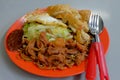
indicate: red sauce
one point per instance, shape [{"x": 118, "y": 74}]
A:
[{"x": 14, "y": 40}]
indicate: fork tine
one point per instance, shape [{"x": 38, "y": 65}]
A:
[
  {"x": 98, "y": 19},
  {"x": 91, "y": 21},
  {"x": 96, "y": 23}
]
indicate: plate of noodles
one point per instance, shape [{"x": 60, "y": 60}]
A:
[{"x": 52, "y": 42}]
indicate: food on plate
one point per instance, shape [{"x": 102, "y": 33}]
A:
[{"x": 55, "y": 38}]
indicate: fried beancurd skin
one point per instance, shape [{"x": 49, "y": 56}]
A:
[
  {"x": 62, "y": 8},
  {"x": 66, "y": 13},
  {"x": 85, "y": 14},
  {"x": 74, "y": 18}
]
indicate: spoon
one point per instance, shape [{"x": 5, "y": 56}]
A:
[{"x": 96, "y": 26}]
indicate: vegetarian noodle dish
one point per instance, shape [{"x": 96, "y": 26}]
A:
[{"x": 57, "y": 37}]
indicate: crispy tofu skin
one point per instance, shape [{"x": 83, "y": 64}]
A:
[{"x": 85, "y": 14}]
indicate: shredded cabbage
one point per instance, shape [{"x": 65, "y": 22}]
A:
[{"x": 32, "y": 30}]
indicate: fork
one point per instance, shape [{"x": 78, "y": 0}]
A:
[{"x": 96, "y": 51}]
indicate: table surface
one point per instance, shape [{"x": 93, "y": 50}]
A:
[{"x": 10, "y": 10}]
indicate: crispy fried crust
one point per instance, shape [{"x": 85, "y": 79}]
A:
[
  {"x": 62, "y": 8},
  {"x": 67, "y": 14},
  {"x": 85, "y": 14},
  {"x": 76, "y": 19}
]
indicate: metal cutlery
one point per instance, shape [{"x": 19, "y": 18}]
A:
[{"x": 96, "y": 26}]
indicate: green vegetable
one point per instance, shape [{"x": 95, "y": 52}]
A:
[
  {"x": 32, "y": 30},
  {"x": 61, "y": 32}
]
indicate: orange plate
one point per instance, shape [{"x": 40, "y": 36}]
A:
[{"x": 32, "y": 68}]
